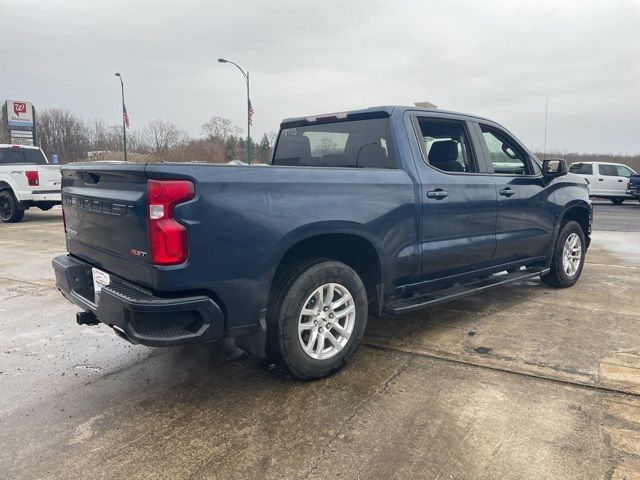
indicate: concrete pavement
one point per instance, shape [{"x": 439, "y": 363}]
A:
[{"x": 521, "y": 382}]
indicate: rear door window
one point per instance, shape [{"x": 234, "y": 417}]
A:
[
  {"x": 581, "y": 168},
  {"x": 351, "y": 143},
  {"x": 446, "y": 146}
]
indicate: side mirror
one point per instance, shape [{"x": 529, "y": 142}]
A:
[{"x": 554, "y": 167}]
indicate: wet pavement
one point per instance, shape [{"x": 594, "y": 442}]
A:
[{"x": 524, "y": 381}]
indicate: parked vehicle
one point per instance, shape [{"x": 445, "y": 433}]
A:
[
  {"x": 633, "y": 186},
  {"x": 606, "y": 180},
  {"x": 387, "y": 209},
  {"x": 26, "y": 180}
]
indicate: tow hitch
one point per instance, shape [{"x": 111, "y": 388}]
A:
[{"x": 86, "y": 318}]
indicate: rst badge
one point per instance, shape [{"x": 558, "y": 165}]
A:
[{"x": 138, "y": 253}]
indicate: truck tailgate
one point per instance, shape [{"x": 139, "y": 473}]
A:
[
  {"x": 104, "y": 208},
  {"x": 49, "y": 178}
]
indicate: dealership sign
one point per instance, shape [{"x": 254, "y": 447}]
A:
[{"x": 20, "y": 121}]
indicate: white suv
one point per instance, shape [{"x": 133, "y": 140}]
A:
[
  {"x": 26, "y": 180},
  {"x": 606, "y": 180}
]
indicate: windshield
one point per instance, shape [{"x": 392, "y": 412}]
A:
[
  {"x": 30, "y": 156},
  {"x": 353, "y": 143}
]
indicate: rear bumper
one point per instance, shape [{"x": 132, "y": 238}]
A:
[
  {"x": 39, "y": 196},
  {"x": 137, "y": 314},
  {"x": 635, "y": 192},
  {"x": 46, "y": 196}
]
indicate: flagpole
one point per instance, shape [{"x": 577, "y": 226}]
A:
[
  {"x": 124, "y": 123},
  {"x": 249, "y": 143}
]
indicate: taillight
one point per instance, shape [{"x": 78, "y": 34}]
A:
[
  {"x": 169, "y": 243},
  {"x": 33, "y": 178}
]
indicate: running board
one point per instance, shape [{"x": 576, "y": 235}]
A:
[{"x": 406, "y": 305}]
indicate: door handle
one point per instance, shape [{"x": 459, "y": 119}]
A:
[
  {"x": 620, "y": 180},
  {"x": 438, "y": 194},
  {"x": 506, "y": 192},
  {"x": 601, "y": 179}
]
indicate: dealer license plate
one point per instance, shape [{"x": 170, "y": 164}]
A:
[{"x": 100, "y": 279}]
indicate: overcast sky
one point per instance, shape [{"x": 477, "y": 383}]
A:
[{"x": 499, "y": 59}]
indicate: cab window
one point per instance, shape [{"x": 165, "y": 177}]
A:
[
  {"x": 581, "y": 168},
  {"x": 507, "y": 158},
  {"x": 608, "y": 170},
  {"x": 624, "y": 171},
  {"x": 446, "y": 146},
  {"x": 362, "y": 143}
]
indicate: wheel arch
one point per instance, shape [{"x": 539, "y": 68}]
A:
[
  {"x": 346, "y": 245},
  {"x": 4, "y": 185},
  {"x": 581, "y": 213}
]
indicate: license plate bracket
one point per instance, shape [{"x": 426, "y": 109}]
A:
[{"x": 100, "y": 279}]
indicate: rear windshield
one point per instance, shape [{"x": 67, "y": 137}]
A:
[
  {"x": 29, "y": 156},
  {"x": 353, "y": 143}
]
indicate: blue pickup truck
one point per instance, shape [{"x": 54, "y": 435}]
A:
[
  {"x": 633, "y": 186},
  {"x": 382, "y": 210}
]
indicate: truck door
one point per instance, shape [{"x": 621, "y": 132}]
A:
[
  {"x": 613, "y": 179},
  {"x": 585, "y": 170},
  {"x": 524, "y": 228},
  {"x": 458, "y": 200},
  {"x": 608, "y": 180}
]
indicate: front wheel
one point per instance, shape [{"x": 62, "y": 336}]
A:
[
  {"x": 317, "y": 319},
  {"x": 617, "y": 201},
  {"x": 10, "y": 211},
  {"x": 568, "y": 256}
]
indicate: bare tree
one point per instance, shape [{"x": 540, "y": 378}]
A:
[
  {"x": 105, "y": 137},
  {"x": 63, "y": 133},
  {"x": 160, "y": 136},
  {"x": 219, "y": 129},
  {"x": 271, "y": 135}
]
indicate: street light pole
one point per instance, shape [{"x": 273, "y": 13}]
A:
[
  {"x": 246, "y": 79},
  {"x": 124, "y": 117}
]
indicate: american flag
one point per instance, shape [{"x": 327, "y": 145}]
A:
[
  {"x": 250, "y": 113},
  {"x": 125, "y": 117}
]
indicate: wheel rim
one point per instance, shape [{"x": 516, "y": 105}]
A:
[
  {"x": 572, "y": 255},
  {"x": 5, "y": 207},
  {"x": 326, "y": 321}
]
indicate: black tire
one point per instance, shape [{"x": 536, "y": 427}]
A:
[
  {"x": 45, "y": 206},
  {"x": 283, "y": 343},
  {"x": 558, "y": 277},
  {"x": 10, "y": 211},
  {"x": 617, "y": 201}
]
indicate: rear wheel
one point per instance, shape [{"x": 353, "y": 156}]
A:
[
  {"x": 617, "y": 201},
  {"x": 317, "y": 319},
  {"x": 568, "y": 257},
  {"x": 10, "y": 211}
]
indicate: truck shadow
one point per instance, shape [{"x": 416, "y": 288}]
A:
[{"x": 34, "y": 215}]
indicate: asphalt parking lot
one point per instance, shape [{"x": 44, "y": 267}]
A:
[{"x": 521, "y": 382}]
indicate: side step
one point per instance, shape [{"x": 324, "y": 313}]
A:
[{"x": 406, "y": 305}]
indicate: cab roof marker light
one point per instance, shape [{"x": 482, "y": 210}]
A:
[{"x": 329, "y": 116}]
